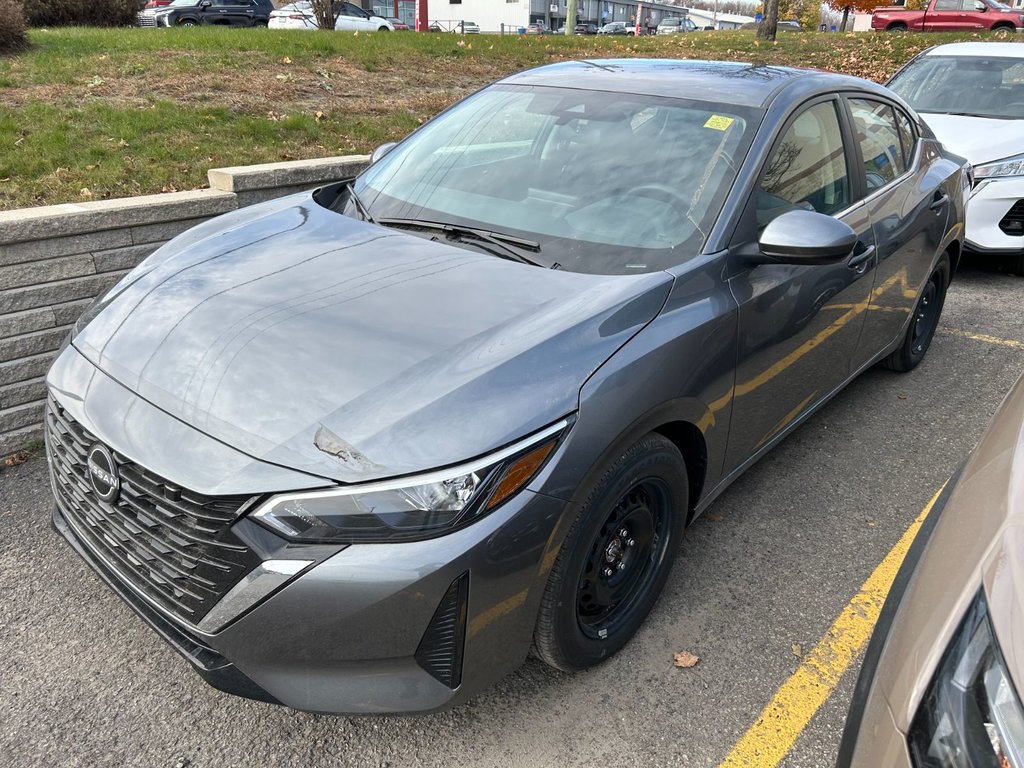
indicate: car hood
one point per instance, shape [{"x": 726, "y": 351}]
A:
[
  {"x": 328, "y": 345},
  {"x": 979, "y": 139}
]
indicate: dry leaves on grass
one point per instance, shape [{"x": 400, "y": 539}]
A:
[
  {"x": 17, "y": 458},
  {"x": 685, "y": 660}
]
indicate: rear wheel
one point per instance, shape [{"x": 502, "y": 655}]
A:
[
  {"x": 897, "y": 27},
  {"x": 615, "y": 560},
  {"x": 924, "y": 321}
]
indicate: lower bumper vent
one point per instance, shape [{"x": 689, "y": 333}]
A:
[
  {"x": 1013, "y": 222},
  {"x": 440, "y": 651}
]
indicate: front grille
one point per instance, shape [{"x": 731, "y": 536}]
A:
[
  {"x": 145, "y": 20},
  {"x": 1013, "y": 222},
  {"x": 173, "y": 545}
]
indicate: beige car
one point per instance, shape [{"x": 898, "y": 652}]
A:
[{"x": 940, "y": 678}]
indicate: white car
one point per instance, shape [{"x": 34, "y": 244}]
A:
[
  {"x": 351, "y": 18},
  {"x": 675, "y": 26},
  {"x": 972, "y": 97},
  {"x": 468, "y": 28}
]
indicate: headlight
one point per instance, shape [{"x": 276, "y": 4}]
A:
[
  {"x": 413, "y": 508},
  {"x": 970, "y": 715},
  {"x": 1011, "y": 166}
]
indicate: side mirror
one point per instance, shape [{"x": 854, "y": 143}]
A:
[
  {"x": 205, "y": 4},
  {"x": 382, "y": 150},
  {"x": 806, "y": 237},
  {"x": 980, "y": 6}
]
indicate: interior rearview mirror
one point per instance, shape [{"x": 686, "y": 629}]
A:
[
  {"x": 806, "y": 237},
  {"x": 382, "y": 150}
]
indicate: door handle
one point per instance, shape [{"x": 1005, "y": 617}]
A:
[
  {"x": 939, "y": 199},
  {"x": 860, "y": 260}
]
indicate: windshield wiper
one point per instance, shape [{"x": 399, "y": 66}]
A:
[
  {"x": 363, "y": 210},
  {"x": 505, "y": 246}
]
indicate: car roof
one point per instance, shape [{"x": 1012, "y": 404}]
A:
[
  {"x": 735, "y": 83},
  {"x": 1013, "y": 50}
]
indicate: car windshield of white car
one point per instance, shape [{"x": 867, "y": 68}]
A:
[
  {"x": 990, "y": 86},
  {"x": 609, "y": 183}
]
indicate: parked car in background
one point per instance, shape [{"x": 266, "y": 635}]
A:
[
  {"x": 156, "y": 3},
  {"x": 674, "y": 26},
  {"x": 972, "y": 97},
  {"x": 940, "y": 682},
  {"x": 586, "y": 28},
  {"x": 949, "y": 16},
  {"x": 537, "y": 28},
  {"x": 351, "y": 18},
  {"x": 192, "y": 13},
  {"x": 360, "y": 449},
  {"x": 468, "y": 28},
  {"x": 617, "y": 28},
  {"x": 397, "y": 24}
]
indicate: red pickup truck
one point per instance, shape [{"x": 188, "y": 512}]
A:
[{"x": 949, "y": 16}]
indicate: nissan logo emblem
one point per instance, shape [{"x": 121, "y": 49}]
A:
[{"x": 103, "y": 473}]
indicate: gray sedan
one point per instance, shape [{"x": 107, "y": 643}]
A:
[{"x": 362, "y": 449}]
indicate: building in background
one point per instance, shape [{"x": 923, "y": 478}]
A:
[
  {"x": 511, "y": 15},
  {"x": 714, "y": 20}
]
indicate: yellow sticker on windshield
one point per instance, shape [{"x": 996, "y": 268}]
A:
[{"x": 718, "y": 122}]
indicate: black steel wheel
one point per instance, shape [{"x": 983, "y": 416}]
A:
[
  {"x": 614, "y": 561},
  {"x": 923, "y": 322}
]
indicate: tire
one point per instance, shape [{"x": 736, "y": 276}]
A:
[
  {"x": 1004, "y": 28},
  {"x": 614, "y": 562},
  {"x": 924, "y": 321},
  {"x": 897, "y": 27},
  {"x": 1015, "y": 264},
  {"x": 187, "y": 23},
  {"x": 383, "y": 29}
]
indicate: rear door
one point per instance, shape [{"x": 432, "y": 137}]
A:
[
  {"x": 947, "y": 15},
  {"x": 799, "y": 326},
  {"x": 908, "y": 208}
]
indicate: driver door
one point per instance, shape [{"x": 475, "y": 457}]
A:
[{"x": 799, "y": 325}]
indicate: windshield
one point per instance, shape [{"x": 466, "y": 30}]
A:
[
  {"x": 670, "y": 22},
  {"x": 607, "y": 183},
  {"x": 964, "y": 85}
]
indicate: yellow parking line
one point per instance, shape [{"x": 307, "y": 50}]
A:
[
  {"x": 776, "y": 729},
  {"x": 982, "y": 337}
]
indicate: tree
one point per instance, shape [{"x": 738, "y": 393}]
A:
[
  {"x": 326, "y": 13},
  {"x": 769, "y": 20}
]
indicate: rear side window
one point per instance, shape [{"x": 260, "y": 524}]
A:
[
  {"x": 880, "y": 143},
  {"x": 807, "y": 168},
  {"x": 907, "y": 135}
]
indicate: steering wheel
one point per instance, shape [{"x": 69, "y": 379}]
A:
[{"x": 661, "y": 192}]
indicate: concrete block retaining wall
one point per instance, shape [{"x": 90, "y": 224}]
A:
[{"x": 54, "y": 260}]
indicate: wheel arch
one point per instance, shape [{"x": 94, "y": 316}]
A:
[{"x": 688, "y": 438}]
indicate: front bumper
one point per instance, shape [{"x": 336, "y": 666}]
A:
[
  {"x": 345, "y": 636},
  {"x": 990, "y": 201}
]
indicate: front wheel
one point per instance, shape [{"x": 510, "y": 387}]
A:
[
  {"x": 923, "y": 322},
  {"x": 187, "y": 23},
  {"x": 383, "y": 29},
  {"x": 614, "y": 562}
]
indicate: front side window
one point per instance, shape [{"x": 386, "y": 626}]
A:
[
  {"x": 610, "y": 183},
  {"x": 880, "y": 144},
  {"x": 807, "y": 168}
]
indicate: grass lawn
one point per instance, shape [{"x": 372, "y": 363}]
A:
[{"x": 93, "y": 113}]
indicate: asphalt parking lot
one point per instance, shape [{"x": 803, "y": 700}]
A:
[{"x": 761, "y": 578}]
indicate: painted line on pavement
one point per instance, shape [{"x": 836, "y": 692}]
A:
[
  {"x": 785, "y": 717},
  {"x": 982, "y": 337}
]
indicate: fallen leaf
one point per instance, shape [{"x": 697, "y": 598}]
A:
[
  {"x": 17, "y": 458},
  {"x": 85, "y": 192},
  {"x": 713, "y": 517},
  {"x": 902, "y": 397},
  {"x": 871, "y": 523},
  {"x": 797, "y": 650},
  {"x": 318, "y": 116},
  {"x": 286, "y": 60},
  {"x": 685, "y": 660}
]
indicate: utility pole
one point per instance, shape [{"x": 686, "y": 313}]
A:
[{"x": 570, "y": 17}]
